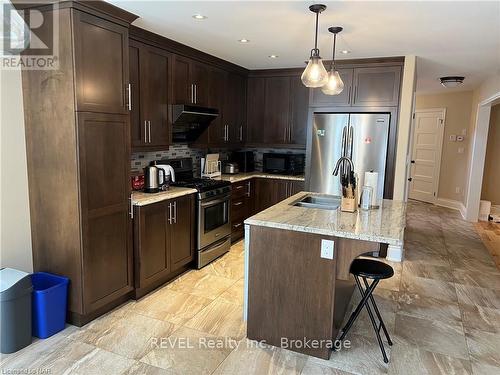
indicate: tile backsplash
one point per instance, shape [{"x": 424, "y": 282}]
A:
[{"x": 141, "y": 159}]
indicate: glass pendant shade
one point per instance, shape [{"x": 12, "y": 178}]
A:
[
  {"x": 335, "y": 85},
  {"x": 315, "y": 74}
]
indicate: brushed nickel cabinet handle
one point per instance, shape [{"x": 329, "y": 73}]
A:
[
  {"x": 237, "y": 225},
  {"x": 170, "y": 213},
  {"x": 238, "y": 203},
  {"x": 149, "y": 130},
  {"x": 241, "y": 133},
  {"x": 175, "y": 212},
  {"x": 131, "y": 207},
  {"x": 129, "y": 97},
  {"x": 145, "y": 131}
]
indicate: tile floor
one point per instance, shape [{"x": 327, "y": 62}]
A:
[{"x": 442, "y": 309}]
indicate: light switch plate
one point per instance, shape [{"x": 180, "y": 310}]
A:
[
  {"x": 327, "y": 249},
  {"x": 453, "y": 138}
]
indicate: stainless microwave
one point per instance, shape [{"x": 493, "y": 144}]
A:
[{"x": 291, "y": 164}]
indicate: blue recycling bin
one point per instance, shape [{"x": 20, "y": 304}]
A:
[{"x": 50, "y": 296}]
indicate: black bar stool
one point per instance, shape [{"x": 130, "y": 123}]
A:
[{"x": 369, "y": 269}]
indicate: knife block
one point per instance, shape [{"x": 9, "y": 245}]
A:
[{"x": 348, "y": 204}]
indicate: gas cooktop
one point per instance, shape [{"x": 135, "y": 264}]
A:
[{"x": 201, "y": 184}]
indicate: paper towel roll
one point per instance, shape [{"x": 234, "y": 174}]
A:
[{"x": 371, "y": 179}]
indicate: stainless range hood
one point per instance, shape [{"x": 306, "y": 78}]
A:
[{"x": 190, "y": 121}]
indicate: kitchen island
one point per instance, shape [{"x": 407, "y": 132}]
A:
[{"x": 297, "y": 281}]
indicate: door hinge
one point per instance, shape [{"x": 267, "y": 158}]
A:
[
  {"x": 441, "y": 121},
  {"x": 434, "y": 193}
]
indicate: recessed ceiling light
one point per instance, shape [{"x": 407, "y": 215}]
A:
[
  {"x": 345, "y": 51},
  {"x": 199, "y": 16},
  {"x": 244, "y": 40},
  {"x": 273, "y": 56}
]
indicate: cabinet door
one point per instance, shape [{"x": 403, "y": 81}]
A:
[
  {"x": 282, "y": 190},
  {"x": 237, "y": 94},
  {"x": 277, "y": 110},
  {"x": 199, "y": 76},
  {"x": 265, "y": 193},
  {"x": 104, "y": 191},
  {"x": 216, "y": 97},
  {"x": 182, "y": 231},
  {"x": 155, "y": 65},
  {"x": 256, "y": 100},
  {"x": 342, "y": 99},
  {"x": 138, "y": 131},
  {"x": 377, "y": 86},
  {"x": 299, "y": 109},
  {"x": 296, "y": 187},
  {"x": 151, "y": 243},
  {"x": 182, "y": 85},
  {"x": 101, "y": 64}
]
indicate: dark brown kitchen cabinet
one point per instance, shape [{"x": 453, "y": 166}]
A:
[
  {"x": 190, "y": 80},
  {"x": 342, "y": 99},
  {"x": 218, "y": 129},
  {"x": 235, "y": 108},
  {"x": 101, "y": 64},
  {"x": 277, "y": 110},
  {"x": 377, "y": 86},
  {"x": 256, "y": 101},
  {"x": 269, "y": 191},
  {"x": 242, "y": 206},
  {"x": 150, "y": 84},
  {"x": 84, "y": 234},
  {"x": 163, "y": 241}
]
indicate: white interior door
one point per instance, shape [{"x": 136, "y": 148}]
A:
[{"x": 426, "y": 156}]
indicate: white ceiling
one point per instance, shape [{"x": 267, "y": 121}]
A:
[{"x": 449, "y": 38}]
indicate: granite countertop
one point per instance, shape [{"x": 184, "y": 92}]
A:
[
  {"x": 141, "y": 199},
  {"x": 385, "y": 224},
  {"x": 248, "y": 175}
]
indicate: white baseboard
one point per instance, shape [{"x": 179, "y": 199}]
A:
[{"x": 453, "y": 204}]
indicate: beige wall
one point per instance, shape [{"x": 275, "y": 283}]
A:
[
  {"x": 453, "y": 172},
  {"x": 404, "y": 127},
  {"x": 491, "y": 177},
  {"x": 15, "y": 235}
]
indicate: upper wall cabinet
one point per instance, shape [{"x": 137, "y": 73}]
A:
[
  {"x": 101, "y": 65},
  {"x": 277, "y": 108},
  {"x": 150, "y": 85},
  {"x": 364, "y": 87},
  {"x": 191, "y": 80},
  {"x": 377, "y": 86},
  {"x": 235, "y": 108}
]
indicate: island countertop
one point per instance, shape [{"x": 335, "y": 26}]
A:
[{"x": 384, "y": 225}]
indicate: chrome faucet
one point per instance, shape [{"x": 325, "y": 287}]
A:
[{"x": 341, "y": 160}]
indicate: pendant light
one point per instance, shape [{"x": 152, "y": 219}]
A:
[
  {"x": 315, "y": 74},
  {"x": 334, "y": 86}
]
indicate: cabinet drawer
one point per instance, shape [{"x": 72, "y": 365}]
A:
[
  {"x": 237, "y": 229},
  {"x": 239, "y": 208}
]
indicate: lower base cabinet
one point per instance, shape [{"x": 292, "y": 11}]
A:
[
  {"x": 269, "y": 191},
  {"x": 163, "y": 241},
  {"x": 242, "y": 206}
]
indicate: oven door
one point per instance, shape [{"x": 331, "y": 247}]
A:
[{"x": 214, "y": 221}]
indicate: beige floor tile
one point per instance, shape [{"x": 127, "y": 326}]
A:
[
  {"x": 170, "y": 305},
  {"x": 140, "y": 368},
  {"x": 422, "y": 287},
  {"x": 221, "y": 319},
  {"x": 230, "y": 266},
  {"x": 189, "y": 351},
  {"x": 363, "y": 356},
  {"x": 130, "y": 336},
  {"x": 235, "y": 293},
  {"x": 472, "y": 264},
  {"x": 253, "y": 358},
  {"x": 432, "y": 335},
  {"x": 484, "y": 346},
  {"x": 99, "y": 362},
  {"x": 480, "y": 317},
  {"x": 469, "y": 295},
  {"x": 428, "y": 271},
  {"x": 482, "y": 368},
  {"x": 429, "y": 308},
  {"x": 412, "y": 360},
  {"x": 312, "y": 368},
  {"x": 201, "y": 284},
  {"x": 478, "y": 279}
]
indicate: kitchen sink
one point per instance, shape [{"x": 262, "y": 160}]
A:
[{"x": 323, "y": 201}]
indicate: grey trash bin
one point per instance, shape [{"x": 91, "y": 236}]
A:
[{"x": 15, "y": 310}]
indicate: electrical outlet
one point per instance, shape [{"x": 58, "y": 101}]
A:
[
  {"x": 457, "y": 190},
  {"x": 327, "y": 249}
]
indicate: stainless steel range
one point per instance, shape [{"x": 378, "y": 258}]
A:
[{"x": 213, "y": 211}]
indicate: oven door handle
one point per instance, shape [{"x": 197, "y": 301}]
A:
[{"x": 214, "y": 202}]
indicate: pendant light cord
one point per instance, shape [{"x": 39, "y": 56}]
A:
[{"x": 333, "y": 57}]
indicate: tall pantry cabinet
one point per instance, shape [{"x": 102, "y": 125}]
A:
[{"x": 77, "y": 138}]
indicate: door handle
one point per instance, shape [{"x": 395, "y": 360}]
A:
[
  {"x": 192, "y": 93},
  {"x": 237, "y": 225},
  {"x": 354, "y": 96},
  {"x": 238, "y": 203},
  {"x": 169, "y": 219},
  {"x": 175, "y": 213},
  {"x": 131, "y": 213},
  {"x": 349, "y": 95},
  {"x": 145, "y": 131},
  {"x": 195, "y": 93},
  {"x": 248, "y": 188},
  {"x": 413, "y": 162},
  {"x": 129, "y": 97},
  {"x": 241, "y": 133},
  {"x": 149, "y": 130},
  {"x": 410, "y": 179}
]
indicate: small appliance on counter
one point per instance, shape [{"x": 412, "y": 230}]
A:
[
  {"x": 211, "y": 166},
  {"x": 168, "y": 174},
  {"x": 290, "y": 164},
  {"x": 152, "y": 178},
  {"x": 137, "y": 182},
  {"x": 230, "y": 167},
  {"x": 245, "y": 161}
]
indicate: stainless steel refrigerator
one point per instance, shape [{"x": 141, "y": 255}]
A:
[{"x": 362, "y": 135}]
